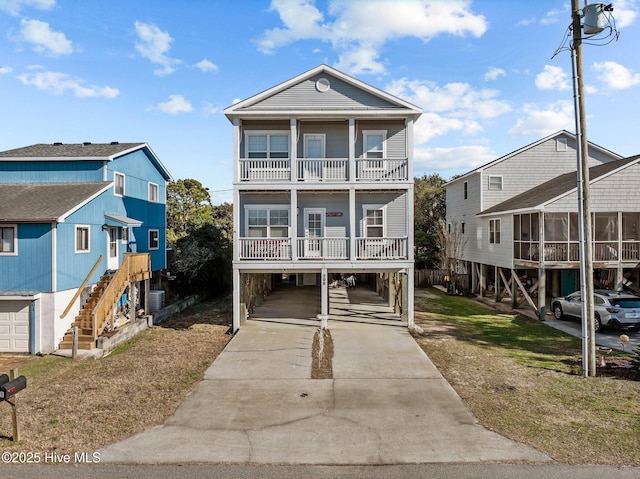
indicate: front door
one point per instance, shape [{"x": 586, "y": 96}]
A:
[
  {"x": 112, "y": 248},
  {"x": 313, "y": 232},
  {"x": 313, "y": 148}
]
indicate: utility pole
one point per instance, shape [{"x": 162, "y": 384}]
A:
[{"x": 586, "y": 242}]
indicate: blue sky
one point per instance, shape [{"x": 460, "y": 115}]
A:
[{"x": 162, "y": 71}]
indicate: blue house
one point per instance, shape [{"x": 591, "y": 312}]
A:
[{"x": 71, "y": 214}]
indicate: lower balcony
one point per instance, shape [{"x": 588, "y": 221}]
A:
[
  {"x": 335, "y": 249},
  {"x": 569, "y": 251}
]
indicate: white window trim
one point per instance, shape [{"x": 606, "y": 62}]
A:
[
  {"x": 249, "y": 133},
  {"x": 489, "y": 183},
  {"x": 365, "y": 208},
  {"x": 115, "y": 183},
  {"x": 124, "y": 234},
  {"x": 266, "y": 207},
  {"x": 561, "y": 144},
  {"x": 366, "y": 133},
  {"x": 157, "y": 232},
  {"x": 15, "y": 240},
  {"x": 75, "y": 239},
  {"x": 495, "y": 222},
  {"x": 324, "y": 144},
  {"x": 157, "y": 189}
]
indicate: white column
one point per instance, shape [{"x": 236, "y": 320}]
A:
[
  {"x": 294, "y": 224},
  {"x": 294, "y": 149},
  {"x": 324, "y": 287},
  {"x": 236, "y": 298},
  {"x": 410, "y": 299},
  {"x": 352, "y": 223},
  {"x": 237, "y": 124},
  {"x": 352, "y": 149}
]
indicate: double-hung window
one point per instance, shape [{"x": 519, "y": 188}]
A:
[
  {"x": 8, "y": 240},
  {"x": 374, "y": 148},
  {"x": 118, "y": 184},
  {"x": 495, "y": 182},
  {"x": 267, "y": 221},
  {"x": 82, "y": 239},
  {"x": 373, "y": 221},
  {"x": 154, "y": 239},
  {"x": 153, "y": 192},
  {"x": 267, "y": 145},
  {"x": 494, "y": 231}
]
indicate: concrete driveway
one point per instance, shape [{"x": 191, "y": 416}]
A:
[{"x": 386, "y": 403}]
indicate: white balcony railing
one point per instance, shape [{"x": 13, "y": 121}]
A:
[
  {"x": 264, "y": 169},
  {"x": 323, "y": 169},
  {"x": 381, "y": 248},
  {"x": 265, "y": 248},
  {"x": 383, "y": 169},
  {"x": 323, "y": 248},
  {"x": 278, "y": 249},
  {"x": 569, "y": 251}
]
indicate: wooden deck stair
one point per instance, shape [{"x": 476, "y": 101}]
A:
[
  {"x": 98, "y": 309},
  {"x": 84, "y": 319}
]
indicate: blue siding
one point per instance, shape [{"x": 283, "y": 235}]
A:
[
  {"x": 30, "y": 270},
  {"x": 50, "y": 171}
]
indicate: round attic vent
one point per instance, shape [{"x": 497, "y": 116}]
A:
[{"x": 323, "y": 85}]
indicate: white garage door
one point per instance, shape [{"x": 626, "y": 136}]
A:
[{"x": 14, "y": 326}]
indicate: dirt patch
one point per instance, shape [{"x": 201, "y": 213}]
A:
[
  {"x": 618, "y": 368},
  {"x": 322, "y": 356}
]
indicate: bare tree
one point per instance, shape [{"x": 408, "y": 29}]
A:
[{"x": 452, "y": 244}]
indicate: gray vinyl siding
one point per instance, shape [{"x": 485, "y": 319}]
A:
[
  {"x": 396, "y": 137},
  {"x": 335, "y": 226},
  {"x": 460, "y": 210},
  {"x": 532, "y": 167},
  {"x": 305, "y": 96},
  {"x": 617, "y": 192},
  {"x": 336, "y": 140},
  {"x": 396, "y": 212}
]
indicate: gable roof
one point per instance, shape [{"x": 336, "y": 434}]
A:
[
  {"x": 45, "y": 202},
  {"x": 305, "y": 99},
  {"x": 82, "y": 151},
  {"x": 528, "y": 147},
  {"x": 557, "y": 187}
]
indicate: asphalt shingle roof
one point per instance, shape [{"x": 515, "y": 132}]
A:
[
  {"x": 21, "y": 202},
  {"x": 60, "y": 150},
  {"x": 556, "y": 187}
]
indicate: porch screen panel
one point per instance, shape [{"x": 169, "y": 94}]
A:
[
  {"x": 556, "y": 227},
  {"x": 630, "y": 226},
  {"x": 605, "y": 227}
]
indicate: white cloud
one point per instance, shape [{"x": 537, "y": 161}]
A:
[
  {"x": 542, "y": 122},
  {"x": 553, "y": 78},
  {"x": 210, "y": 110},
  {"x": 616, "y": 76},
  {"x": 206, "y": 66},
  {"x": 58, "y": 83},
  {"x": 176, "y": 104},
  {"x": 451, "y": 159},
  {"x": 351, "y": 33},
  {"x": 154, "y": 45},
  {"x": 625, "y": 12},
  {"x": 14, "y": 7},
  {"x": 551, "y": 17},
  {"x": 452, "y": 107},
  {"x": 493, "y": 73},
  {"x": 44, "y": 39},
  {"x": 5, "y": 70}
]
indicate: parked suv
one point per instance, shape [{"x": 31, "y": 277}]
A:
[{"x": 613, "y": 309}]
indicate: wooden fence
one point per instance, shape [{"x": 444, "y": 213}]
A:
[{"x": 423, "y": 278}]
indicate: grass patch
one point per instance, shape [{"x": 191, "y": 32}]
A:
[{"x": 521, "y": 378}]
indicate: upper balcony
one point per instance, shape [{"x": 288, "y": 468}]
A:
[{"x": 260, "y": 170}]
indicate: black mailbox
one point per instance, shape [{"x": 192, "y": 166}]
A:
[
  {"x": 4, "y": 379},
  {"x": 10, "y": 388}
]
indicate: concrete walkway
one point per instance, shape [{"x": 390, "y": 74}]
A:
[{"x": 386, "y": 403}]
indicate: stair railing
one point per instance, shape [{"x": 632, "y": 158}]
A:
[
  {"x": 135, "y": 267},
  {"x": 84, "y": 284}
]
